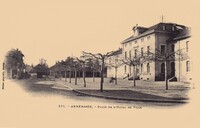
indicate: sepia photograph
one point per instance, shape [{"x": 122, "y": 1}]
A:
[{"x": 99, "y": 64}]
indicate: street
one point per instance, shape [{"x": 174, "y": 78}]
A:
[
  {"x": 42, "y": 88},
  {"x": 23, "y": 101}
]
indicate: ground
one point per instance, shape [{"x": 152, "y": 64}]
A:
[{"x": 40, "y": 102}]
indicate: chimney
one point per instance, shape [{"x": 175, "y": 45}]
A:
[{"x": 135, "y": 30}]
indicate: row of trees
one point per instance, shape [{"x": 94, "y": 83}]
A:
[
  {"x": 93, "y": 62},
  {"x": 16, "y": 68},
  {"x": 97, "y": 62},
  {"x": 73, "y": 65}
]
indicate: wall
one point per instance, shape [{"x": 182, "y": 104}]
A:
[{"x": 181, "y": 72}]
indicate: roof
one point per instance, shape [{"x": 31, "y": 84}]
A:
[
  {"x": 160, "y": 27},
  {"x": 117, "y": 52},
  {"x": 186, "y": 33}
]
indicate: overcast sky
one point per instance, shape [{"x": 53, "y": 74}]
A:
[{"x": 55, "y": 29}]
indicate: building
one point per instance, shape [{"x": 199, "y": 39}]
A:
[
  {"x": 162, "y": 37},
  {"x": 183, "y": 65},
  {"x": 114, "y": 64},
  {"x": 14, "y": 65}
]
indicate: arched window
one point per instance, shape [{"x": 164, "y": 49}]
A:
[
  {"x": 141, "y": 68},
  {"x": 129, "y": 54},
  {"x": 172, "y": 47},
  {"x": 163, "y": 68},
  {"x": 142, "y": 52},
  {"x": 187, "y": 47},
  {"x": 148, "y": 68},
  {"x": 187, "y": 66}
]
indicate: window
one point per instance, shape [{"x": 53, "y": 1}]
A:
[
  {"x": 110, "y": 60},
  {"x": 141, "y": 68},
  {"x": 135, "y": 52},
  {"x": 187, "y": 47},
  {"x": 172, "y": 47},
  {"x": 163, "y": 68},
  {"x": 148, "y": 68},
  {"x": 162, "y": 49},
  {"x": 125, "y": 68},
  {"x": 173, "y": 28},
  {"x": 164, "y": 27},
  {"x": 148, "y": 50},
  {"x": 187, "y": 66},
  {"x": 141, "y": 51},
  {"x": 129, "y": 54},
  {"x": 148, "y": 37},
  {"x": 142, "y": 40},
  {"x": 135, "y": 41},
  {"x": 125, "y": 55},
  {"x": 130, "y": 44}
]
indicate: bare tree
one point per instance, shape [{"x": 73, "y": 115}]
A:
[
  {"x": 100, "y": 57},
  {"x": 70, "y": 64},
  {"x": 166, "y": 56},
  {"x": 134, "y": 61},
  {"x": 94, "y": 66},
  {"x": 82, "y": 63},
  {"x": 116, "y": 64}
]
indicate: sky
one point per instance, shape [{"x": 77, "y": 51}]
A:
[{"x": 56, "y": 29}]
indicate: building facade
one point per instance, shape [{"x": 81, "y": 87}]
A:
[
  {"x": 114, "y": 64},
  {"x": 159, "y": 38},
  {"x": 183, "y": 64}
]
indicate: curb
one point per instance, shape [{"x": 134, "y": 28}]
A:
[
  {"x": 130, "y": 99},
  {"x": 127, "y": 99}
]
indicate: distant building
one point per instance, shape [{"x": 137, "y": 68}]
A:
[
  {"x": 163, "y": 37},
  {"x": 114, "y": 64},
  {"x": 14, "y": 65}
]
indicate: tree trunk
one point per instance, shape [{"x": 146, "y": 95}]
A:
[
  {"x": 134, "y": 74},
  {"x": 115, "y": 75},
  {"x": 84, "y": 76},
  {"x": 166, "y": 72},
  {"x": 70, "y": 76},
  {"x": 75, "y": 75},
  {"x": 65, "y": 76},
  {"x": 60, "y": 75},
  {"x": 93, "y": 75},
  {"x": 102, "y": 71},
  {"x": 79, "y": 74}
]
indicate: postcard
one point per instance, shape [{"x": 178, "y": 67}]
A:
[{"x": 99, "y": 64}]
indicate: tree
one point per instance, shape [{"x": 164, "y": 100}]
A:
[
  {"x": 134, "y": 61},
  {"x": 70, "y": 64},
  {"x": 116, "y": 64},
  {"x": 42, "y": 68},
  {"x": 94, "y": 66},
  {"x": 82, "y": 63},
  {"x": 166, "y": 56},
  {"x": 14, "y": 63},
  {"x": 100, "y": 57}
]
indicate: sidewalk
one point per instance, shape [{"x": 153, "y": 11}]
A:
[{"x": 124, "y": 90}]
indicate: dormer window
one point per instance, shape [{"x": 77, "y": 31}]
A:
[
  {"x": 135, "y": 41},
  {"x": 148, "y": 37},
  {"x": 164, "y": 27},
  {"x": 173, "y": 28},
  {"x": 142, "y": 40}
]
